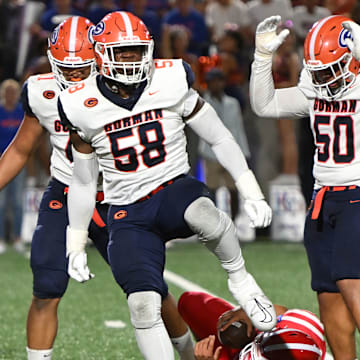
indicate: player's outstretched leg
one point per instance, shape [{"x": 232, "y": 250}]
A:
[{"x": 217, "y": 232}]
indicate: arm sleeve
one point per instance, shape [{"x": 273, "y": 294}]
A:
[
  {"x": 209, "y": 127},
  {"x": 63, "y": 118},
  {"x": 25, "y": 101},
  {"x": 266, "y": 101},
  {"x": 82, "y": 190},
  {"x": 190, "y": 77}
]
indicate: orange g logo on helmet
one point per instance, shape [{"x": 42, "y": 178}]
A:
[
  {"x": 91, "y": 102},
  {"x": 120, "y": 214},
  {"x": 49, "y": 94},
  {"x": 55, "y": 205}
]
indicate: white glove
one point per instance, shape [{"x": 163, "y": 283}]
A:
[
  {"x": 259, "y": 212},
  {"x": 266, "y": 40},
  {"x": 256, "y": 207},
  {"x": 75, "y": 250},
  {"x": 353, "y": 43},
  {"x": 78, "y": 268}
]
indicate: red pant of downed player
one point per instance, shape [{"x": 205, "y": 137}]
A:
[{"x": 201, "y": 312}]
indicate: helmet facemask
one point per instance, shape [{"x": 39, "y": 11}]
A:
[
  {"x": 74, "y": 62},
  {"x": 331, "y": 80},
  {"x": 126, "y": 72},
  {"x": 247, "y": 353}
]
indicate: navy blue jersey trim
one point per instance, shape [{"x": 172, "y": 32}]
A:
[
  {"x": 63, "y": 118},
  {"x": 190, "y": 77},
  {"x": 128, "y": 103},
  {"x": 24, "y": 98}
]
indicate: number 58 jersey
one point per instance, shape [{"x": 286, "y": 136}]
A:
[{"x": 140, "y": 141}]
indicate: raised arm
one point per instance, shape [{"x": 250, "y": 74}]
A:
[
  {"x": 18, "y": 152},
  {"x": 264, "y": 99},
  {"x": 206, "y": 123}
]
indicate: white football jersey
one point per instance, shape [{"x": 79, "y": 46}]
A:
[
  {"x": 140, "y": 144},
  {"x": 41, "y": 99},
  {"x": 336, "y": 130}
]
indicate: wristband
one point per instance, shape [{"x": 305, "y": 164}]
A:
[
  {"x": 248, "y": 187},
  {"x": 75, "y": 240}
]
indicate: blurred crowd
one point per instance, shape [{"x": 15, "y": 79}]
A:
[{"x": 216, "y": 37}]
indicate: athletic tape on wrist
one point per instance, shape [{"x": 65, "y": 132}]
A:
[
  {"x": 75, "y": 240},
  {"x": 248, "y": 187}
]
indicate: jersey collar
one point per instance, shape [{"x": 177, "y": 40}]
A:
[{"x": 128, "y": 103}]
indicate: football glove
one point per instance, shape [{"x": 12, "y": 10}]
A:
[
  {"x": 75, "y": 250},
  {"x": 353, "y": 43},
  {"x": 78, "y": 268},
  {"x": 259, "y": 212},
  {"x": 266, "y": 40},
  {"x": 256, "y": 207}
]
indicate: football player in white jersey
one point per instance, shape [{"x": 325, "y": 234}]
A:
[
  {"x": 328, "y": 92},
  {"x": 72, "y": 60},
  {"x": 131, "y": 118}
]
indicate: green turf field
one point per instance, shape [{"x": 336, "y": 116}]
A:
[{"x": 280, "y": 268}]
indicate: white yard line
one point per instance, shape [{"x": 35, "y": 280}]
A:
[
  {"x": 115, "y": 324},
  {"x": 183, "y": 283}
]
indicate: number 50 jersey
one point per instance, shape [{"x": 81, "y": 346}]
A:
[
  {"x": 139, "y": 141},
  {"x": 336, "y": 130}
]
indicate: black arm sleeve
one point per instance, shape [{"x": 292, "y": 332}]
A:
[
  {"x": 63, "y": 118},
  {"x": 190, "y": 77},
  {"x": 24, "y": 98}
]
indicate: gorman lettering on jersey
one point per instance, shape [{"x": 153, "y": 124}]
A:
[
  {"x": 134, "y": 120},
  {"x": 345, "y": 106}
]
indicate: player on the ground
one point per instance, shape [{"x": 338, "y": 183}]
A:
[
  {"x": 329, "y": 93},
  {"x": 210, "y": 318},
  {"x": 131, "y": 118},
  {"x": 72, "y": 60}
]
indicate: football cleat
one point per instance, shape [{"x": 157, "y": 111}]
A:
[{"x": 253, "y": 301}]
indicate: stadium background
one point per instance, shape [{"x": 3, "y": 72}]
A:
[{"x": 275, "y": 256}]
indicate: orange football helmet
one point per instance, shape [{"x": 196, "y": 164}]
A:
[
  {"x": 282, "y": 344},
  {"x": 117, "y": 30},
  {"x": 327, "y": 58},
  {"x": 70, "y": 46}
]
